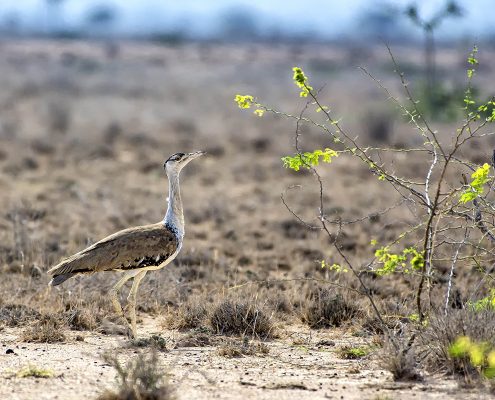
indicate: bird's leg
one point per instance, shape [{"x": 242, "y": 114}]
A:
[
  {"x": 131, "y": 301},
  {"x": 114, "y": 293}
]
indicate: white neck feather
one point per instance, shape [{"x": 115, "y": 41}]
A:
[{"x": 175, "y": 214}]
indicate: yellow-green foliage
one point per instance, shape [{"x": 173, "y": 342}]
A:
[
  {"x": 333, "y": 267},
  {"x": 409, "y": 260},
  {"x": 486, "y": 108},
  {"x": 473, "y": 61},
  {"x": 246, "y": 101},
  {"x": 480, "y": 355},
  {"x": 353, "y": 353},
  {"x": 486, "y": 303},
  {"x": 308, "y": 159},
  {"x": 475, "y": 189},
  {"x": 301, "y": 81},
  {"x": 32, "y": 371}
]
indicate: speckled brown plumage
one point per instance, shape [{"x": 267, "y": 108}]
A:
[{"x": 142, "y": 247}]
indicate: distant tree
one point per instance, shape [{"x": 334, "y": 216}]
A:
[
  {"x": 54, "y": 15},
  {"x": 380, "y": 22},
  {"x": 101, "y": 18},
  {"x": 11, "y": 23},
  {"x": 239, "y": 24},
  {"x": 450, "y": 10}
]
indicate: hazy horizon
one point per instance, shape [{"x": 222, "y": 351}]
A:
[{"x": 198, "y": 18}]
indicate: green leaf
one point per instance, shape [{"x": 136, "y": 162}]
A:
[
  {"x": 460, "y": 347},
  {"x": 472, "y": 56},
  {"x": 486, "y": 303},
  {"x": 309, "y": 159},
  {"x": 475, "y": 188},
  {"x": 244, "y": 101},
  {"x": 301, "y": 81},
  {"x": 393, "y": 262}
]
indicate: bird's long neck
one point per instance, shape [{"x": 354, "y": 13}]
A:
[{"x": 175, "y": 215}]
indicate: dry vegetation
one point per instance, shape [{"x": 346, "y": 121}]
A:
[
  {"x": 83, "y": 135},
  {"x": 140, "y": 379}
]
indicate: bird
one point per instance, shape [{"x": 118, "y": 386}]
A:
[{"x": 137, "y": 250}]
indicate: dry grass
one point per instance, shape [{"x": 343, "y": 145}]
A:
[
  {"x": 326, "y": 308},
  {"x": 48, "y": 329},
  {"x": 81, "y": 319},
  {"x": 189, "y": 315},
  {"x": 231, "y": 317},
  {"x": 17, "y": 314},
  {"x": 196, "y": 339},
  {"x": 442, "y": 332},
  {"x": 154, "y": 341},
  {"x": 401, "y": 361},
  {"x": 140, "y": 379},
  {"x": 236, "y": 348}
]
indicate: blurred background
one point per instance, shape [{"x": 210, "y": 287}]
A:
[
  {"x": 228, "y": 20},
  {"x": 96, "y": 94}
]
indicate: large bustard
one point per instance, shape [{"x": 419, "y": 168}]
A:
[{"x": 134, "y": 251}]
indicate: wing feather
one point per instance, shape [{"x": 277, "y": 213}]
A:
[{"x": 140, "y": 247}]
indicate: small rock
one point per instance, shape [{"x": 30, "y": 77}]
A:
[
  {"x": 10, "y": 351},
  {"x": 326, "y": 343}
]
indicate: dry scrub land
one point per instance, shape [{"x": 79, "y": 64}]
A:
[{"x": 245, "y": 311}]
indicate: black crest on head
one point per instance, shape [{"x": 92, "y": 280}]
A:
[{"x": 175, "y": 157}]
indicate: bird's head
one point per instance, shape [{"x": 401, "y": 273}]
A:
[{"x": 178, "y": 161}]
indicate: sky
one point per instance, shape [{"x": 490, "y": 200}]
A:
[{"x": 325, "y": 17}]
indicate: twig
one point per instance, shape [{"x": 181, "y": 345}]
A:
[{"x": 452, "y": 267}]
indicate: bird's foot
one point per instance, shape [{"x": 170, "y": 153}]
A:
[{"x": 131, "y": 335}]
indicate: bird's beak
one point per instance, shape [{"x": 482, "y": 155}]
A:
[{"x": 196, "y": 154}]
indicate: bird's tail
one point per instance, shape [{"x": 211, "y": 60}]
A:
[
  {"x": 58, "y": 279},
  {"x": 64, "y": 270}
]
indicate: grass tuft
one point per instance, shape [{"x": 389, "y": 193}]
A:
[
  {"x": 236, "y": 318},
  {"x": 140, "y": 379},
  {"x": 353, "y": 353},
  {"x": 442, "y": 331},
  {"x": 155, "y": 341},
  {"x": 14, "y": 315},
  {"x": 401, "y": 362},
  {"x": 81, "y": 320},
  {"x": 48, "y": 329},
  {"x": 327, "y": 310},
  {"x": 235, "y": 348},
  {"x": 189, "y": 315},
  {"x": 31, "y": 371},
  {"x": 194, "y": 339}
]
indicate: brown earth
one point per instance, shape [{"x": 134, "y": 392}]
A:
[{"x": 84, "y": 130}]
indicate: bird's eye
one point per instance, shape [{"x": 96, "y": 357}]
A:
[{"x": 176, "y": 157}]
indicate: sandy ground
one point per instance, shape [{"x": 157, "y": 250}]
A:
[{"x": 310, "y": 369}]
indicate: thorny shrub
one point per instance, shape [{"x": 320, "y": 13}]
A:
[{"x": 448, "y": 214}]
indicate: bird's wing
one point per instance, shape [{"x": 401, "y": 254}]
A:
[{"x": 140, "y": 247}]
